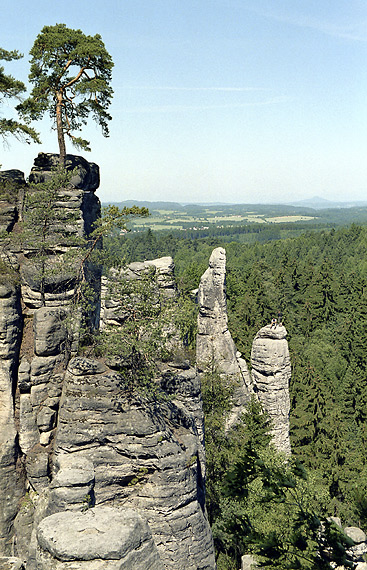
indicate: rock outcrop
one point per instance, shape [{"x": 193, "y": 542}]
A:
[
  {"x": 271, "y": 373},
  {"x": 271, "y": 369},
  {"x": 93, "y": 475},
  {"x": 100, "y": 538},
  {"x": 11, "y": 483},
  {"x": 214, "y": 346}
]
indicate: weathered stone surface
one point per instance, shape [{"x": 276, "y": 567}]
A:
[
  {"x": 11, "y": 485},
  {"x": 248, "y": 562},
  {"x": 214, "y": 344},
  {"x": 164, "y": 267},
  {"x": 86, "y": 177},
  {"x": 145, "y": 456},
  {"x": 73, "y": 486},
  {"x": 38, "y": 468},
  {"x": 49, "y": 331},
  {"x": 28, "y": 432},
  {"x": 271, "y": 372},
  {"x": 99, "y": 534},
  {"x": 24, "y": 376},
  {"x": 12, "y": 185},
  {"x": 11, "y": 563},
  {"x": 104, "y": 450},
  {"x": 10, "y": 321},
  {"x": 111, "y": 313},
  {"x": 13, "y": 176},
  {"x": 46, "y": 418},
  {"x": 42, "y": 368},
  {"x": 355, "y": 533}
]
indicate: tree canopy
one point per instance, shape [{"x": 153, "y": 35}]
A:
[
  {"x": 11, "y": 88},
  {"x": 71, "y": 74}
]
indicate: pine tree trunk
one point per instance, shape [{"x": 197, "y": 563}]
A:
[{"x": 60, "y": 130}]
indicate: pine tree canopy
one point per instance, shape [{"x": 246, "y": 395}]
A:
[
  {"x": 11, "y": 88},
  {"x": 71, "y": 74}
]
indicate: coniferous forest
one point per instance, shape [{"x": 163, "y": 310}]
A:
[{"x": 318, "y": 281}]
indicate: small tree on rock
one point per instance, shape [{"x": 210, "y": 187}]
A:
[{"x": 71, "y": 74}]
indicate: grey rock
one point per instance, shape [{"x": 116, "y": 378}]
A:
[
  {"x": 11, "y": 563},
  {"x": 99, "y": 534},
  {"x": 42, "y": 368},
  {"x": 248, "y": 562},
  {"x": 15, "y": 177},
  {"x": 28, "y": 432},
  {"x": 164, "y": 267},
  {"x": 86, "y": 177},
  {"x": 271, "y": 372},
  {"x": 11, "y": 484},
  {"x": 146, "y": 456},
  {"x": 46, "y": 419},
  {"x": 49, "y": 331},
  {"x": 73, "y": 471},
  {"x": 335, "y": 520},
  {"x": 73, "y": 486},
  {"x": 214, "y": 345},
  {"x": 24, "y": 376},
  {"x": 12, "y": 185},
  {"x": 355, "y": 533},
  {"x": 37, "y": 468},
  {"x": 10, "y": 321}
]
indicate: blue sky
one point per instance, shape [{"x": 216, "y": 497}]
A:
[{"x": 242, "y": 101}]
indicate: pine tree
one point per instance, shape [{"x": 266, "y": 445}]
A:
[{"x": 71, "y": 74}]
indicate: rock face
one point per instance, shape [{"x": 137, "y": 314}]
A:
[
  {"x": 163, "y": 470},
  {"x": 12, "y": 186},
  {"x": 271, "y": 373},
  {"x": 11, "y": 484},
  {"x": 100, "y": 538},
  {"x": 143, "y": 455},
  {"x": 215, "y": 346},
  {"x": 93, "y": 476},
  {"x": 271, "y": 369}
]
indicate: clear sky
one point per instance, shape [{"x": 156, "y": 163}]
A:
[{"x": 216, "y": 100}]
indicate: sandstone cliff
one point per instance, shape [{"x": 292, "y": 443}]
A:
[
  {"x": 92, "y": 475},
  {"x": 270, "y": 362},
  {"x": 214, "y": 344}
]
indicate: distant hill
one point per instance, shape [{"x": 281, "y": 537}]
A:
[
  {"x": 315, "y": 203},
  {"x": 318, "y": 203},
  {"x": 146, "y": 204}
]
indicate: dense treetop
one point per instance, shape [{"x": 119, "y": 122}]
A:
[{"x": 71, "y": 74}]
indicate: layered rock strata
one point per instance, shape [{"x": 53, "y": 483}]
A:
[
  {"x": 271, "y": 373},
  {"x": 270, "y": 362},
  {"x": 92, "y": 475},
  {"x": 166, "y": 459},
  {"x": 143, "y": 455},
  {"x": 11, "y": 483},
  {"x": 215, "y": 347}
]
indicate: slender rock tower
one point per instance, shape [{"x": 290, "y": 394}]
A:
[
  {"x": 271, "y": 373},
  {"x": 271, "y": 369},
  {"x": 215, "y": 346}
]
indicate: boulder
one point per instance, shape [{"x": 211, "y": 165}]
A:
[
  {"x": 86, "y": 177},
  {"x": 11, "y": 563},
  {"x": 94, "y": 538}
]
